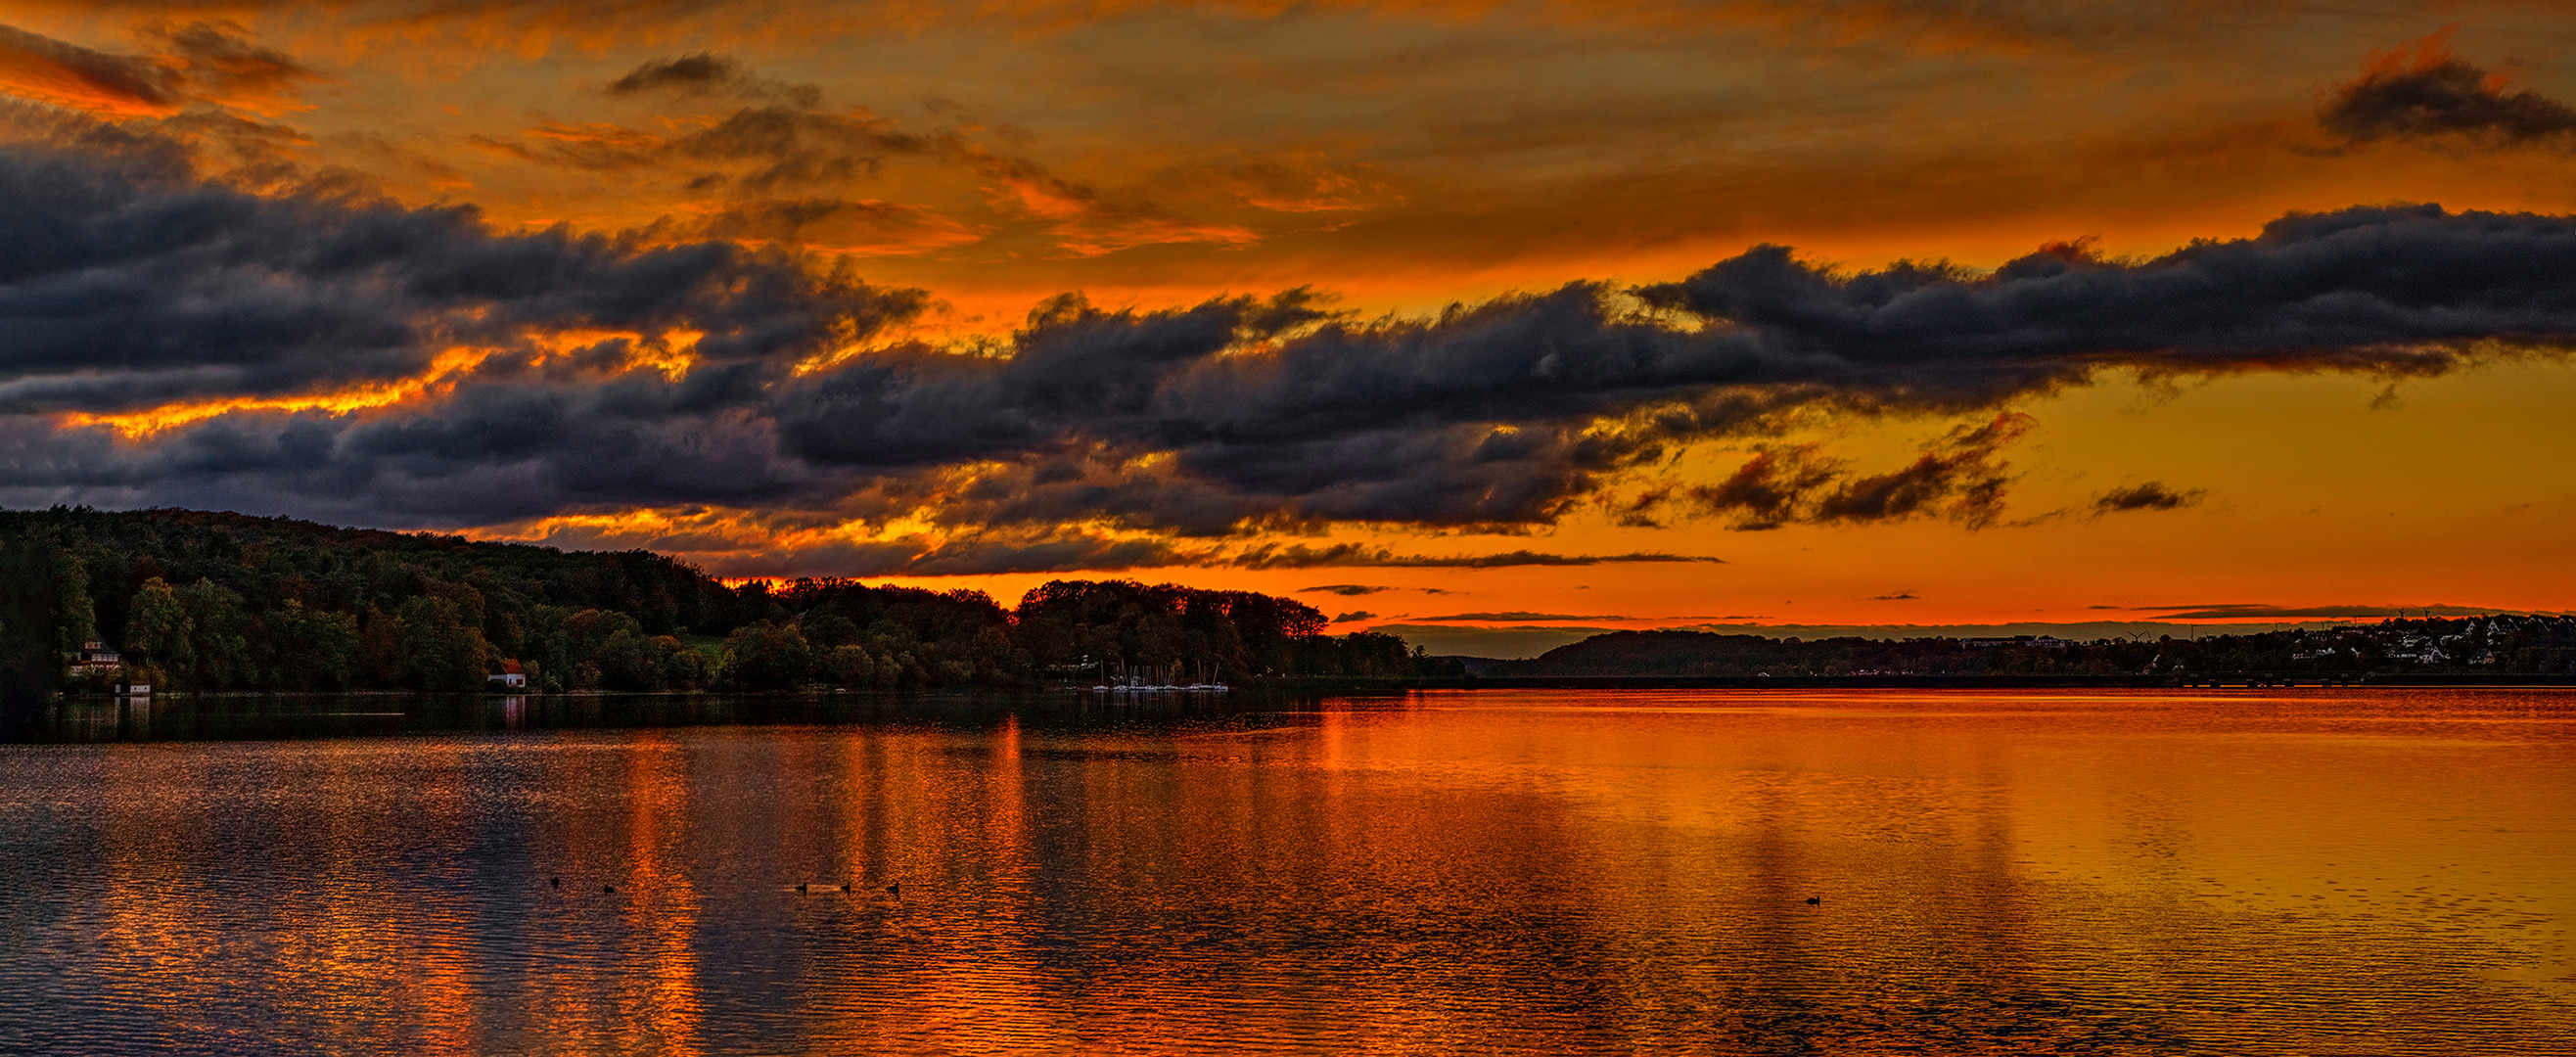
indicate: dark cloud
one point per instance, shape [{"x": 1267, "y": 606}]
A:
[
  {"x": 1897, "y": 596},
  {"x": 1962, "y": 477},
  {"x": 979, "y": 557},
  {"x": 754, "y": 549},
  {"x": 64, "y": 74},
  {"x": 2423, "y": 91},
  {"x": 787, "y": 144},
  {"x": 2151, "y": 495},
  {"x": 193, "y": 62},
  {"x": 764, "y": 149},
  {"x": 772, "y": 157},
  {"x": 1357, "y": 614},
  {"x": 130, "y": 283},
  {"x": 2371, "y": 288},
  {"x": 698, "y": 73},
  {"x": 1299, "y": 556},
  {"x": 600, "y": 372},
  {"x": 703, "y": 74},
  {"x": 1768, "y": 491},
  {"x": 785, "y": 139},
  {"x": 1344, "y": 590},
  {"x": 1485, "y": 415},
  {"x": 216, "y": 60}
]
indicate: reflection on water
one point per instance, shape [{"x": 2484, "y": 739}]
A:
[{"x": 2290, "y": 872}]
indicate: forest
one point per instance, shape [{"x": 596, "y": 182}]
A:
[{"x": 199, "y": 601}]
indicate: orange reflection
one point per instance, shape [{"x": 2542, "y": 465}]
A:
[
  {"x": 985, "y": 985},
  {"x": 1510, "y": 872},
  {"x": 662, "y": 902}
]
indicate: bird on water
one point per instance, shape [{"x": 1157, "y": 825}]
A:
[
  {"x": 1815, "y": 901},
  {"x": 895, "y": 888},
  {"x": 608, "y": 888},
  {"x": 800, "y": 888},
  {"x": 555, "y": 883}
]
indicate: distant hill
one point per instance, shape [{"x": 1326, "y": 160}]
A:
[
  {"x": 1665, "y": 653},
  {"x": 2498, "y": 643}
]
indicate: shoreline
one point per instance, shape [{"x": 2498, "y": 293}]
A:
[{"x": 1357, "y": 684}]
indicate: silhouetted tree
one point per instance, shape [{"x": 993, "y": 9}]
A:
[{"x": 767, "y": 657}]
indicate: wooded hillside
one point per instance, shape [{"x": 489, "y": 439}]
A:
[{"x": 211, "y": 601}]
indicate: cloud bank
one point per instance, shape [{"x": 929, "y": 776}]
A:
[{"x": 300, "y": 348}]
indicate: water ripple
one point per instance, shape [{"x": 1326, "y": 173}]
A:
[{"x": 2108, "y": 874}]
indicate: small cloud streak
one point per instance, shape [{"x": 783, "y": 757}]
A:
[
  {"x": 1300, "y": 556},
  {"x": 704, "y": 73},
  {"x": 782, "y": 162},
  {"x": 2254, "y": 611},
  {"x": 2422, "y": 90},
  {"x": 1518, "y": 617},
  {"x": 52, "y": 71},
  {"x": 211, "y": 62},
  {"x": 2150, "y": 495}
]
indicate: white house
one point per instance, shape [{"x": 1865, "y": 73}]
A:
[{"x": 511, "y": 676}]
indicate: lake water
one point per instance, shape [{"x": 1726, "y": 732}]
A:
[{"x": 2284, "y": 872}]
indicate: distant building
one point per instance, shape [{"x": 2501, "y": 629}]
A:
[
  {"x": 95, "y": 659},
  {"x": 511, "y": 675}
]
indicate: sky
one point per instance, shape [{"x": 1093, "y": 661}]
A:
[{"x": 1496, "y": 317}]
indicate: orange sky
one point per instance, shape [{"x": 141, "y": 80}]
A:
[{"x": 1396, "y": 158}]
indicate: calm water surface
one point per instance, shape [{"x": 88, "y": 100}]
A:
[{"x": 2299, "y": 872}]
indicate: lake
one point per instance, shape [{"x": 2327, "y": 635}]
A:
[{"x": 2240, "y": 872}]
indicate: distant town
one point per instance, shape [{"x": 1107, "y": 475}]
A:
[{"x": 2486, "y": 646}]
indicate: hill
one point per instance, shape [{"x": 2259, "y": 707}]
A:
[{"x": 2498, "y": 643}]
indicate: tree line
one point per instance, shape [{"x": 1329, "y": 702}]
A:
[
  {"x": 202, "y": 601},
  {"x": 2469, "y": 644}
]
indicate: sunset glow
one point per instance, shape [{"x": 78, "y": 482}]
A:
[{"x": 1434, "y": 315}]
